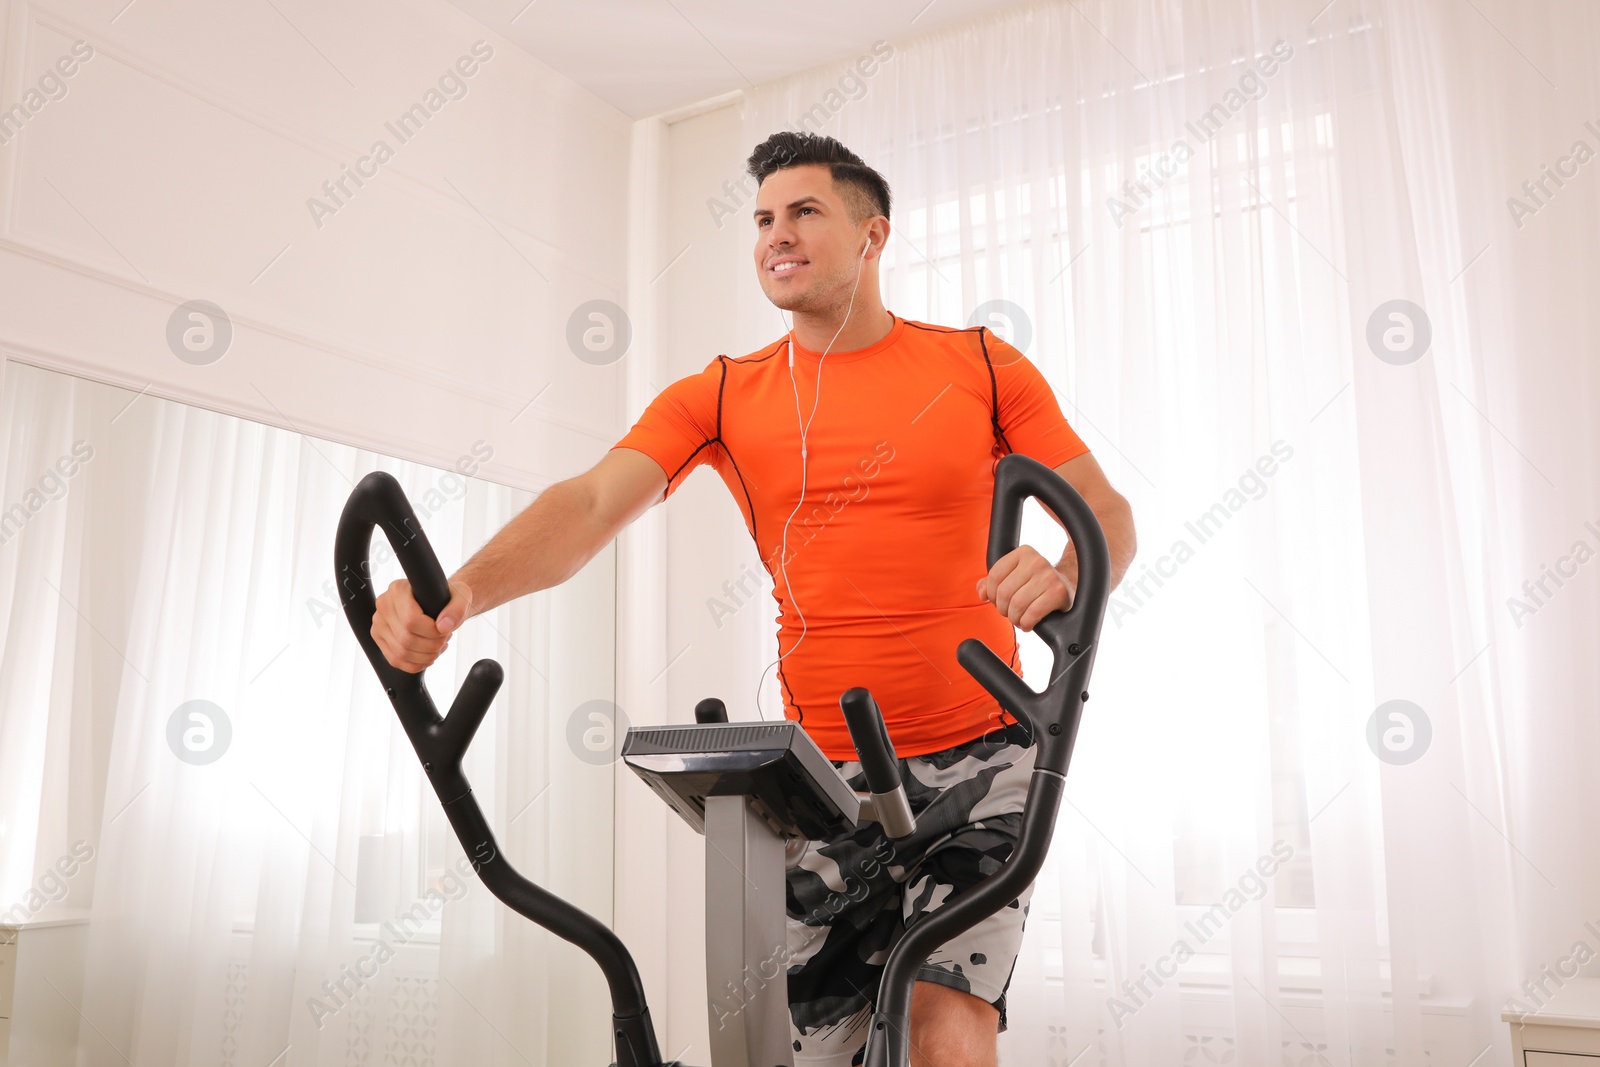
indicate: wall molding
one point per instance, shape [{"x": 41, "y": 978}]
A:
[
  {"x": 547, "y": 432},
  {"x": 699, "y": 107},
  {"x": 398, "y": 445},
  {"x": 406, "y": 369},
  {"x": 23, "y": 16},
  {"x": 390, "y": 175}
]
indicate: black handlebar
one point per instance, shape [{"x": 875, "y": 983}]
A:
[
  {"x": 1051, "y": 716},
  {"x": 710, "y": 710},
  {"x": 1070, "y": 634},
  {"x": 440, "y": 743},
  {"x": 378, "y": 501},
  {"x": 871, "y": 738}
]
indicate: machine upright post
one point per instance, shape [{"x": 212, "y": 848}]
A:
[{"x": 746, "y": 936}]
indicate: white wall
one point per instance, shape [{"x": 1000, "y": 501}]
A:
[
  {"x": 671, "y": 653},
  {"x": 429, "y": 312},
  {"x": 422, "y": 316}
]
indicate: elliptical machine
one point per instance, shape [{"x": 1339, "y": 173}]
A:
[{"x": 758, "y": 790}]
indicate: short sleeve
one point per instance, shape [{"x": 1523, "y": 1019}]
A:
[
  {"x": 1030, "y": 418},
  {"x": 679, "y": 426}
]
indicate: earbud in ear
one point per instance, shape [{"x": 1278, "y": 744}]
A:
[{"x": 865, "y": 247}]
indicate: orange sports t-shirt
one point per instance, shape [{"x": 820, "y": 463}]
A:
[{"x": 885, "y": 555}]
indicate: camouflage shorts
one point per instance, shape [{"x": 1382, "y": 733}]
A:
[{"x": 849, "y": 899}]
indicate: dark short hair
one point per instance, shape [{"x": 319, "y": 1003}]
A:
[{"x": 865, "y": 192}]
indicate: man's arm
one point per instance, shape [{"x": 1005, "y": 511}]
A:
[
  {"x": 1083, "y": 473},
  {"x": 544, "y": 545},
  {"x": 553, "y": 537},
  {"x": 1026, "y": 587}
]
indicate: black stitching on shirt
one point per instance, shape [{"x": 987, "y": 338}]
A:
[
  {"x": 693, "y": 454},
  {"x": 790, "y": 694},
  {"x": 994, "y": 391},
  {"x": 941, "y": 329},
  {"x": 994, "y": 395},
  {"x": 750, "y": 506}
]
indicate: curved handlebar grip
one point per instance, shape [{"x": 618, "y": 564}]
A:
[
  {"x": 1052, "y": 717},
  {"x": 1070, "y": 634},
  {"x": 1018, "y": 477},
  {"x": 378, "y": 501},
  {"x": 440, "y": 744}
]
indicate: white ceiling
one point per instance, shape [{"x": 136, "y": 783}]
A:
[{"x": 645, "y": 57}]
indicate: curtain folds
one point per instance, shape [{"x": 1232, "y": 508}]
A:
[
  {"x": 270, "y": 871},
  {"x": 1263, "y": 253}
]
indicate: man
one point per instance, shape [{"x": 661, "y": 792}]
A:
[{"x": 878, "y": 568}]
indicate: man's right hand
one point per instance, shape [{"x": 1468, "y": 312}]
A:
[{"x": 409, "y": 639}]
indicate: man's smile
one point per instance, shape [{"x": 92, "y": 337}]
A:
[{"x": 786, "y": 265}]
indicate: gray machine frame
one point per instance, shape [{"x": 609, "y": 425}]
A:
[{"x": 759, "y": 792}]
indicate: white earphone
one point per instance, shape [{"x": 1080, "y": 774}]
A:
[{"x": 805, "y": 426}]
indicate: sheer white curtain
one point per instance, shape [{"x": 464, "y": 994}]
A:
[
  {"x": 301, "y": 894},
  {"x": 1198, "y": 216},
  {"x": 41, "y": 533}
]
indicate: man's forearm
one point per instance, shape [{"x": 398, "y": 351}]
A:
[
  {"x": 545, "y": 544},
  {"x": 1116, "y": 522}
]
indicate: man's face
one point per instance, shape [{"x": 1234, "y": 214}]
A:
[{"x": 807, "y": 249}]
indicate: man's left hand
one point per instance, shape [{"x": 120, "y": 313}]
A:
[{"x": 1026, "y": 587}]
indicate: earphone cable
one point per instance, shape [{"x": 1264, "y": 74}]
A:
[{"x": 805, "y": 427}]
